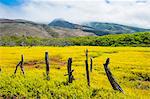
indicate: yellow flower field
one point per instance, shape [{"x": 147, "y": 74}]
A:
[{"x": 129, "y": 65}]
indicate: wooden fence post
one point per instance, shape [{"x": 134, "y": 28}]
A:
[
  {"x": 87, "y": 68},
  {"x": 91, "y": 64},
  {"x": 70, "y": 76},
  {"x": 47, "y": 65},
  {"x": 0, "y": 70},
  {"x": 21, "y": 65},
  {"x": 112, "y": 81}
]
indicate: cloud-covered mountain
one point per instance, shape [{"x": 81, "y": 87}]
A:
[{"x": 66, "y": 24}]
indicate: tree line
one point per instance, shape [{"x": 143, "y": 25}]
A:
[{"x": 135, "y": 39}]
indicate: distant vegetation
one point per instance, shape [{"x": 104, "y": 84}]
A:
[{"x": 137, "y": 39}]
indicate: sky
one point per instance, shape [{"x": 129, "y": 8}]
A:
[{"x": 127, "y": 12}]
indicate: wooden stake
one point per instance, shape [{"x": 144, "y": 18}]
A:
[
  {"x": 87, "y": 68},
  {"x": 112, "y": 81},
  {"x": 70, "y": 76},
  {"x": 21, "y": 64},
  {"x": 86, "y": 54},
  {"x": 91, "y": 64},
  {"x": 47, "y": 65}
]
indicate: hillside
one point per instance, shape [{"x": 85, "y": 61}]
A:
[
  {"x": 97, "y": 28},
  {"x": 22, "y": 28},
  {"x": 25, "y": 28},
  {"x": 59, "y": 28},
  {"x": 112, "y": 28}
]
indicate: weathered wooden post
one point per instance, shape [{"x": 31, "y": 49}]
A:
[
  {"x": 112, "y": 81},
  {"x": 0, "y": 69},
  {"x": 87, "y": 68},
  {"x": 47, "y": 65},
  {"x": 21, "y": 65},
  {"x": 70, "y": 76},
  {"x": 91, "y": 64}
]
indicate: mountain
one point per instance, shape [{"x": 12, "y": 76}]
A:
[
  {"x": 59, "y": 28},
  {"x": 19, "y": 27},
  {"x": 111, "y": 28},
  {"x": 98, "y": 28},
  {"x": 65, "y": 24}
]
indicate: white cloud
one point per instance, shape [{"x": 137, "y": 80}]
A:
[{"x": 128, "y": 12}]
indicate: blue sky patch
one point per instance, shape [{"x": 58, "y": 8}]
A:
[{"x": 11, "y": 2}]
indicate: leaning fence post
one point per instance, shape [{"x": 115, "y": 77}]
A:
[
  {"x": 47, "y": 65},
  {"x": 112, "y": 81},
  {"x": 87, "y": 68},
  {"x": 70, "y": 76},
  {"x": 21, "y": 65},
  {"x": 91, "y": 64},
  {"x": 17, "y": 67}
]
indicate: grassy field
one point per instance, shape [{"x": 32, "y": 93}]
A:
[{"x": 129, "y": 65}]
